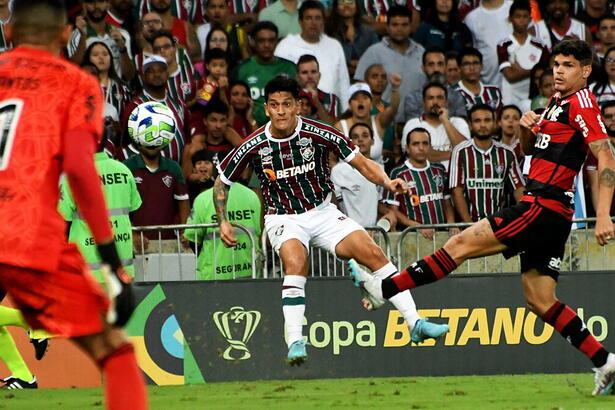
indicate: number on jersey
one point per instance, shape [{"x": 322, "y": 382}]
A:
[{"x": 10, "y": 111}]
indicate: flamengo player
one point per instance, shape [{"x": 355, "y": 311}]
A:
[
  {"x": 51, "y": 117},
  {"x": 538, "y": 226},
  {"x": 289, "y": 155}
]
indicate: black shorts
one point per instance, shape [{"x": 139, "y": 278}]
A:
[{"x": 537, "y": 233}]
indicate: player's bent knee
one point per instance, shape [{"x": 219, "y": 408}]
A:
[{"x": 457, "y": 246}]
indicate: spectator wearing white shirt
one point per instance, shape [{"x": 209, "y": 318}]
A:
[
  {"x": 445, "y": 132},
  {"x": 328, "y": 51},
  {"x": 557, "y": 23},
  {"x": 488, "y": 23}
]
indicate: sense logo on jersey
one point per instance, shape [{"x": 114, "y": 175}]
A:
[{"x": 289, "y": 172}]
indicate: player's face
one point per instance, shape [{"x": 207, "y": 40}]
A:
[
  {"x": 360, "y": 105},
  {"x": 312, "y": 24},
  {"x": 376, "y": 78},
  {"x": 218, "y": 39},
  {"x": 569, "y": 75},
  {"x": 239, "y": 97},
  {"x": 216, "y": 124},
  {"x": 434, "y": 67},
  {"x": 418, "y": 146},
  {"x": 264, "y": 44},
  {"x": 151, "y": 23},
  {"x": 282, "y": 109},
  {"x": 481, "y": 124},
  {"x": 434, "y": 101},
  {"x": 471, "y": 68},
  {"x": 453, "y": 74},
  {"x": 100, "y": 57},
  {"x": 155, "y": 75},
  {"x": 398, "y": 29},
  {"x": 606, "y": 31},
  {"x": 164, "y": 47},
  {"x": 216, "y": 11},
  {"x": 96, "y": 10},
  {"x": 609, "y": 65},
  {"x": 509, "y": 121},
  {"x": 520, "y": 20},
  {"x": 362, "y": 138},
  {"x": 547, "y": 86},
  {"x": 308, "y": 75}
]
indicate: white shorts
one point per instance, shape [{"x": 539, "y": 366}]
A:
[{"x": 321, "y": 227}]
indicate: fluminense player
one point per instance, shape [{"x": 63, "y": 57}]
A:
[
  {"x": 289, "y": 154},
  {"x": 538, "y": 226},
  {"x": 51, "y": 116}
]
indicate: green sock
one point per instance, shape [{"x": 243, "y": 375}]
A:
[
  {"x": 12, "y": 317},
  {"x": 11, "y": 357}
]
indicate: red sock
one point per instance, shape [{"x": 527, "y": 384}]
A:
[{"x": 124, "y": 385}]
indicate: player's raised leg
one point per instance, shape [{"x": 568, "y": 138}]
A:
[
  {"x": 360, "y": 247},
  {"x": 38, "y": 338},
  {"x": 294, "y": 254}
]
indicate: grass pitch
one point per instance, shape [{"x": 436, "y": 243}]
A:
[{"x": 561, "y": 391}]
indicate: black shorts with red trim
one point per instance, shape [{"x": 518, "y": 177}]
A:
[{"x": 537, "y": 233}]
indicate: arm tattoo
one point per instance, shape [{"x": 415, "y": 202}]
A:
[
  {"x": 600, "y": 145},
  {"x": 220, "y": 199},
  {"x": 607, "y": 177}
]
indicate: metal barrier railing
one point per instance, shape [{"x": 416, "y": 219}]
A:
[
  {"x": 180, "y": 249},
  {"x": 582, "y": 251},
  {"x": 321, "y": 263}
]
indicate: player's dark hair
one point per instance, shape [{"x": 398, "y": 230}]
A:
[
  {"x": 469, "y": 51},
  {"x": 432, "y": 50},
  {"x": 520, "y": 5},
  {"x": 417, "y": 129},
  {"x": 579, "y": 49},
  {"x": 280, "y": 84},
  {"x": 216, "y": 54},
  {"x": 361, "y": 124},
  {"x": 264, "y": 25},
  {"x": 398, "y": 11},
  {"x": 215, "y": 106},
  {"x": 436, "y": 85},
  {"x": 510, "y": 107},
  {"x": 481, "y": 107},
  {"x": 87, "y": 55},
  {"x": 164, "y": 33},
  {"x": 307, "y": 58},
  {"x": 311, "y": 5},
  {"x": 37, "y": 21}
]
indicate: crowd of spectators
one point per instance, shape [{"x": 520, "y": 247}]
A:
[{"x": 430, "y": 89}]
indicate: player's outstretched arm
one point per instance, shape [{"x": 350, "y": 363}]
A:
[
  {"x": 227, "y": 234},
  {"x": 604, "y": 152},
  {"x": 375, "y": 174}
]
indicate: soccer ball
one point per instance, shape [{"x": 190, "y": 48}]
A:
[{"x": 151, "y": 125}]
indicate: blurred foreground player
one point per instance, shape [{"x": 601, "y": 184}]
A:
[
  {"x": 51, "y": 117},
  {"x": 290, "y": 155},
  {"x": 538, "y": 226}
]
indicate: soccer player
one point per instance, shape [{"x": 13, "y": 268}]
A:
[
  {"x": 538, "y": 226},
  {"x": 52, "y": 121},
  {"x": 290, "y": 157}
]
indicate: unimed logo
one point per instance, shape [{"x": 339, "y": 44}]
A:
[{"x": 237, "y": 325}]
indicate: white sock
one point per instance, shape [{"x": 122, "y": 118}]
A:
[
  {"x": 403, "y": 301},
  {"x": 293, "y": 306}
]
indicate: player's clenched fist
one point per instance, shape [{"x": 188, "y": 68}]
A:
[
  {"x": 529, "y": 120},
  {"x": 227, "y": 234},
  {"x": 397, "y": 186}
]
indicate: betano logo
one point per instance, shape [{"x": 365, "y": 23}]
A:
[
  {"x": 244, "y": 320},
  {"x": 511, "y": 326}
]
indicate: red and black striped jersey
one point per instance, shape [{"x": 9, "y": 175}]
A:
[
  {"x": 563, "y": 132},
  {"x": 483, "y": 176},
  {"x": 293, "y": 172}
]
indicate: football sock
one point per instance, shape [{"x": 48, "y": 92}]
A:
[
  {"x": 12, "y": 317},
  {"x": 403, "y": 301},
  {"x": 293, "y": 306},
  {"x": 422, "y": 272},
  {"x": 572, "y": 328},
  {"x": 124, "y": 385},
  {"x": 11, "y": 357}
]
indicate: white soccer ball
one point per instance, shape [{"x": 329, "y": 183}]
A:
[{"x": 151, "y": 125}]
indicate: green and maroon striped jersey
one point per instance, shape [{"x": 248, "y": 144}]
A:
[
  {"x": 293, "y": 172},
  {"x": 483, "y": 176},
  {"x": 489, "y": 94},
  {"x": 428, "y": 191}
]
